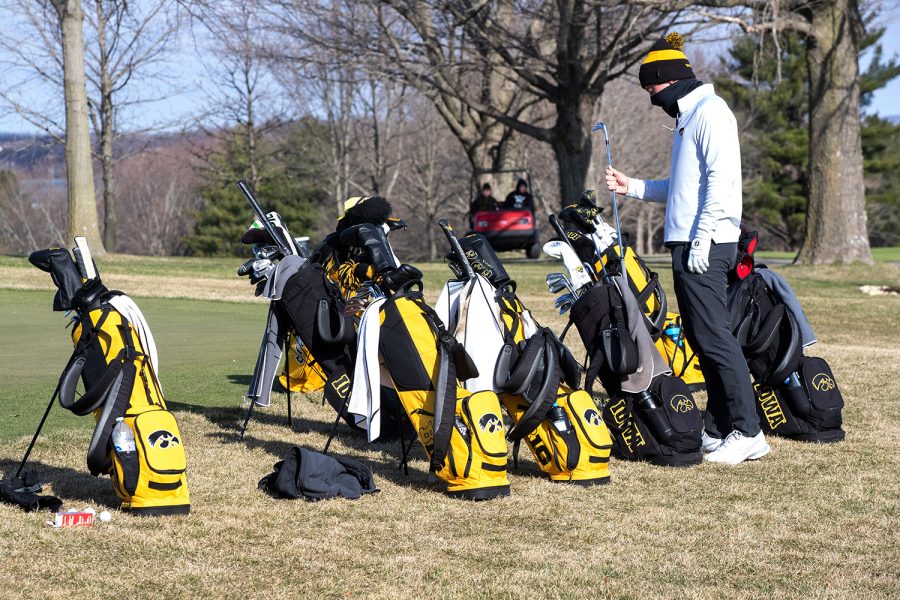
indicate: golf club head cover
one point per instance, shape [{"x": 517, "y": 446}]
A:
[
  {"x": 395, "y": 279},
  {"x": 64, "y": 273},
  {"x": 373, "y": 240}
]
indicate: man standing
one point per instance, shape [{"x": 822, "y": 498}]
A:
[{"x": 703, "y": 215}]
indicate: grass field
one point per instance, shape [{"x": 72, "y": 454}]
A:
[{"x": 806, "y": 521}]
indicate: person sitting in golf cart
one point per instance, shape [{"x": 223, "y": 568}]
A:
[
  {"x": 483, "y": 201},
  {"x": 520, "y": 198}
]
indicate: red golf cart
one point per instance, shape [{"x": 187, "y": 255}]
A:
[{"x": 508, "y": 229}]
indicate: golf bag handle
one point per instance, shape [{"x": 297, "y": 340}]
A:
[
  {"x": 282, "y": 243},
  {"x": 457, "y": 249}
]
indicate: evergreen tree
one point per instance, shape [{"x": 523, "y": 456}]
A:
[
  {"x": 773, "y": 116},
  {"x": 288, "y": 184}
]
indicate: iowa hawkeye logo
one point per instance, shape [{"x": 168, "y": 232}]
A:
[
  {"x": 592, "y": 417},
  {"x": 490, "y": 423},
  {"x": 681, "y": 403},
  {"x": 823, "y": 383},
  {"x": 162, "y": 439}
]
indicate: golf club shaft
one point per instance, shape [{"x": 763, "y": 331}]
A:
[
  {"x": 615, "y": 201},
  {"x": 457, "y": 249},
  {"x": 37, "y": 433},
  {"x": 283, "y": 245},
  {"x": 557, "y": 226}
]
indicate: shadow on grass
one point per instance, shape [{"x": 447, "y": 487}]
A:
[
  {"x": 240, "y": 379},
  {"x": 69, "y": 484},
  {"x": 229, "y": 421}
]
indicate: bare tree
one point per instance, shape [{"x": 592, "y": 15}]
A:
[
  {"x": 79, "y": 168},
  {"x": 242, "y": 104},
  {"x": 124, "y": 41},
  {"x": 559, "y": 54},
  {"x": 432, "y": 185},
  {"x": 130, "y": 39}
]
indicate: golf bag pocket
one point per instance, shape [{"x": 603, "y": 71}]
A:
[
  {"x": 599, "y": 316},
  {"x": 151, "y": 479},
  {"x": 662, "y": 424},
  {"x": 806, "y": 407},
  {"x": 475, "y": 468},
  {"x": 572, "y": 444}
]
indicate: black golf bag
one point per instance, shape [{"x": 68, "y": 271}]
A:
[
  {"x": 797, "y": 396},
  {"x": 661, "y": 422}
]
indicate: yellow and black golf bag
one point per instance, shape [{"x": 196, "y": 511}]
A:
[
  {"x": 462, "y": 432},
  {"x": 115, "y": 361},
  {"x": 595, "y": 242},
  {"x": 535, "y": 375}
]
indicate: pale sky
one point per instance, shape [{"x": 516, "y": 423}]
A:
[{"x": 186, "y": 70}]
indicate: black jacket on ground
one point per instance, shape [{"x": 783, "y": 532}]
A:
[{"x": 312, "y": 475}]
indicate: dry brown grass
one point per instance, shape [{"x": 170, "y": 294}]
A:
[{"x": 806, "y": 521}]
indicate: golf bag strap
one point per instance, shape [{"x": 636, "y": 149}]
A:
[
  {"x": 323, "y": 322},
  {"x": 546, "y": 395},
  {"x": 766, "y": 332},
  {"x": 94, "y": 397},
  {"x": 118, "y": 399},
  {"x": 780, "y": 370},
  {"x": 652, "y": 284},
  {"x": 514, "y": 375},
  {"x": 445, "y": 388}
]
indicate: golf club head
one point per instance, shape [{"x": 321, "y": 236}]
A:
[
  {"x": 555, "y": 277},
  {"x": 565, "y": 308},
  {"x": 600, "y": 125},
  {"x": 563, "y": 299},
  {"x": 557, "y": 286}
]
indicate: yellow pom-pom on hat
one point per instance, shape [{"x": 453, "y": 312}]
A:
[
  {"x": 666, "y": 61},
  {"x": 675, "y": 40}
]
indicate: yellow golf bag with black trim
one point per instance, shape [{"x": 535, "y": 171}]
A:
[
  {"x": 462, "y": 432},
  {"x": 560, "y": 424},
  {"x": 114, "y": 359},
  {"x": 301, "y": 372}
]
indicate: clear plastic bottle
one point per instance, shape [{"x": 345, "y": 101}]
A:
[{"x": 123, "y": 437}]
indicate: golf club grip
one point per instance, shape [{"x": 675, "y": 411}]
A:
[
  {"x": 261, "y": 215},
  {"x": 457, "y": 249},
  {"x": 554, "y": 221}
]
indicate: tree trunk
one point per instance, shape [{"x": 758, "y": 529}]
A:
[
  {"x": 107, "y": 135},
  {"x": 572, "y": 145},
  {"x": 836, "y": 216},
  {"x": 79, "y": 167}
]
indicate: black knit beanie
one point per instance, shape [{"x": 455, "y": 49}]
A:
[{"x": 666, "y": 62}]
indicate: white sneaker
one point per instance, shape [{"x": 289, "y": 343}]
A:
[
  {"x": 737, "y": 448},
  {"x": 709, "y": 443}
]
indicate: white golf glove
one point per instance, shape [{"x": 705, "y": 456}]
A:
[{"x": 698, "y": 259}]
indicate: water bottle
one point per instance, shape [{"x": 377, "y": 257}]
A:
[
  {"x": 793, "y": 381},
  {"x": 674, "y": 333},
  {"x": 123, "y": 437},
  {"x": 558, "y": 418},
  {"x": 645, "y": 400}
]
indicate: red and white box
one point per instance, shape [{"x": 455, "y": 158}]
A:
[{"x": 72, "y": 519}]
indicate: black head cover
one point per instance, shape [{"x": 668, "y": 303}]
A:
[
  {"x": 64, "y": 273},
  {"x": 374, "y": 210}
]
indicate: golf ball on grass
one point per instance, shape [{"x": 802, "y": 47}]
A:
[{"x": 105, "y": 517}]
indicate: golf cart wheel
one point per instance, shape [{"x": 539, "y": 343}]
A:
[{"x": 533, "y": 251}]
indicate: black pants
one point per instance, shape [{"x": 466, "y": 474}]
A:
[{"x": 702, "y": 300}]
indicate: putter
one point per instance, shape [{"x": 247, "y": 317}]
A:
[{"x": 601, "y": 126}]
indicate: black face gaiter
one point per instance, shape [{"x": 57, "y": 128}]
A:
[{"x": 667, "y": 99}]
